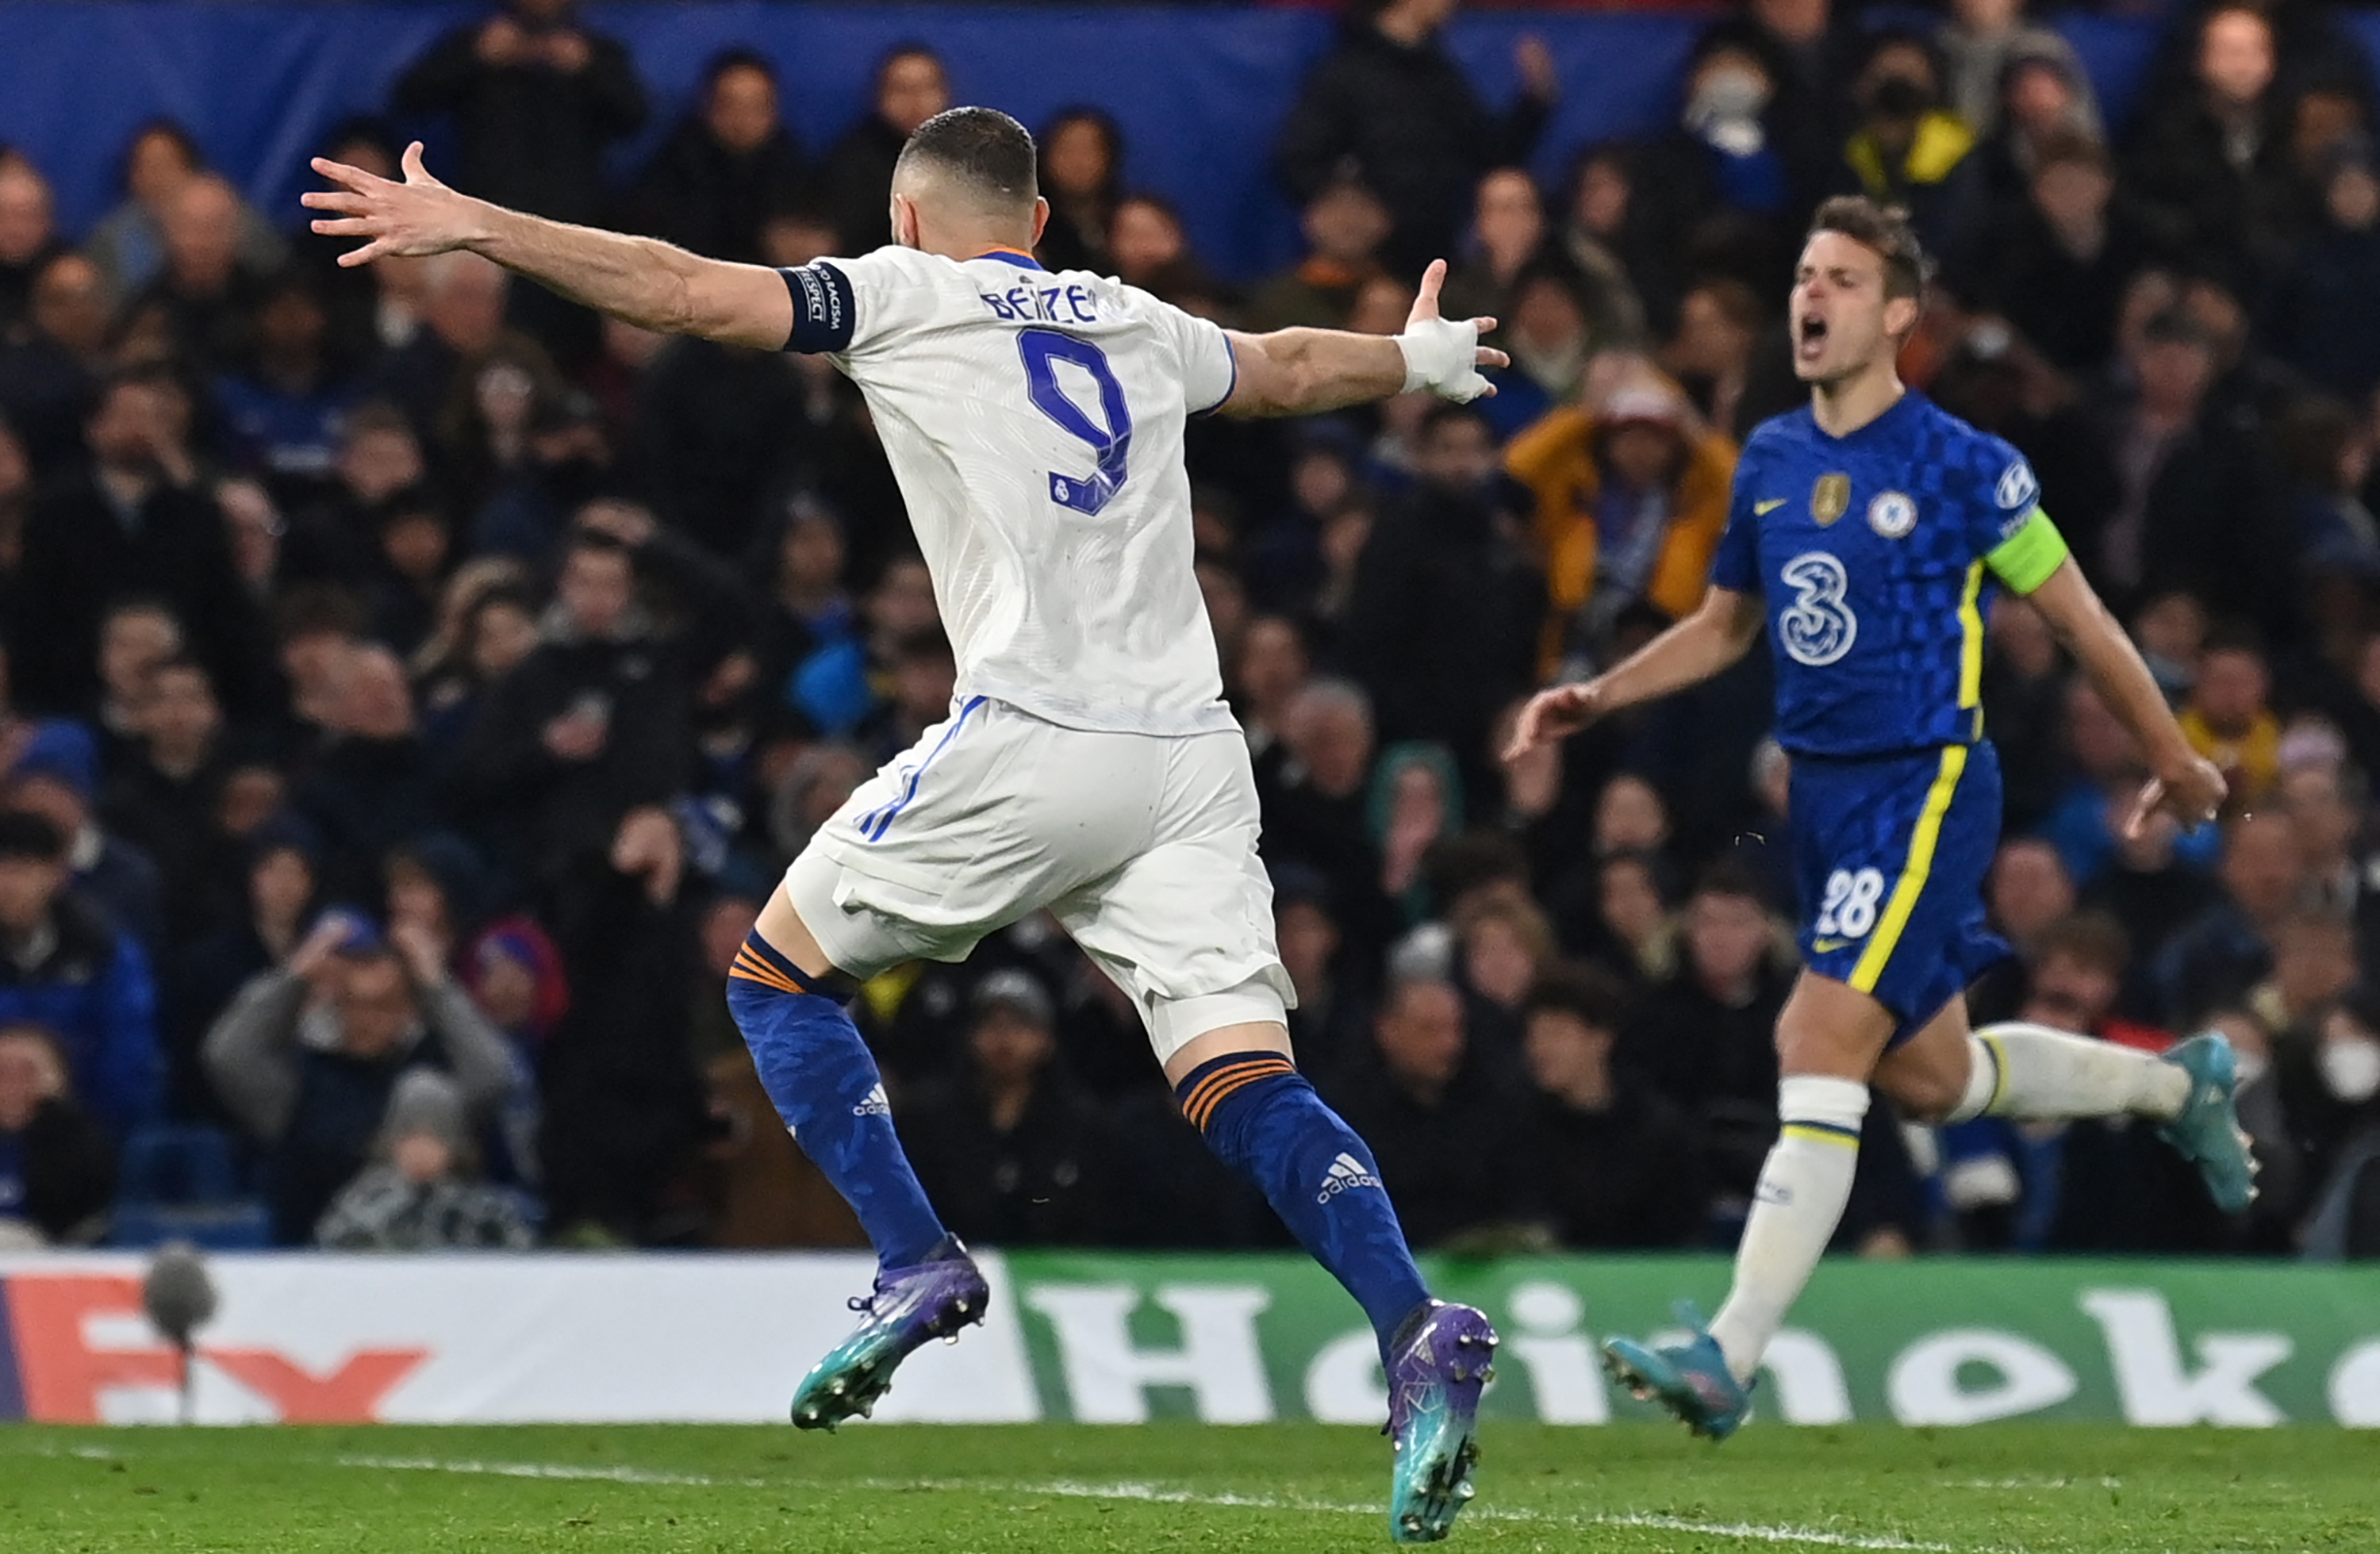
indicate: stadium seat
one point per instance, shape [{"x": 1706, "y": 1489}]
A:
[{"x": 180, "y": 1184}]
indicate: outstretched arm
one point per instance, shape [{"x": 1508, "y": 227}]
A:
[
  {"x": 2181, "y": 781},
  {"x": 646, "y": 282},
  {"x": 1301, "y": 371},
  {"x": 1720, "y": 631}
]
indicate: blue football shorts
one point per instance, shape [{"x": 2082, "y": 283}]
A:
[{"x": 1892, "y": 852}]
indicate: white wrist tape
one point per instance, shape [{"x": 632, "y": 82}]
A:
[{"x": 1441, "y": 355}]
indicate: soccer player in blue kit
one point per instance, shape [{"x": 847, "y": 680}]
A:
[{"x": 1868, "y": 534}]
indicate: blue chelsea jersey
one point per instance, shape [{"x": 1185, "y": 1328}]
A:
[{"x": 1876, "y": 554}]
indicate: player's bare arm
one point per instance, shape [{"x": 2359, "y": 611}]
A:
[
  {"x": 648, "y": 283},
  {"x": 2181, "y": 781},
  {"x": 1720, "y": 631},
  {"x": 1302, "y": 371}
]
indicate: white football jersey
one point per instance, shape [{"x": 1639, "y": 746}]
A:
[{"x": 1033, "y": 421}]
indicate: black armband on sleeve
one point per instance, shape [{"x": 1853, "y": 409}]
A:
[{"x": 823, "y": 315}]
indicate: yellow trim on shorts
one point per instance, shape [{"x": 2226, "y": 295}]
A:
[{"x": 1922, "y": 842}]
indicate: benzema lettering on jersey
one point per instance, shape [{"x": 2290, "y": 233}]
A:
[{"x": 1892, "y": 515}]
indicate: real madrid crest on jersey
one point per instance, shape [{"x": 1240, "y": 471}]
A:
[
  {"x": 1892, "y": 515},
  {"x": 1831, "y": 498}
]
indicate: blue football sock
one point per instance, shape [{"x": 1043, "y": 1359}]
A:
[
  {"x": 826, "y": 1086},
  {"x": 1262, "y": 1119}
]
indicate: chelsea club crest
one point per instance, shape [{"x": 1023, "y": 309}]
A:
[{"x": 1892, "y": 515}]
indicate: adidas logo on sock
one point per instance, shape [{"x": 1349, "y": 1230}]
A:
[
  {"x": 1346, "y": 1175},
  {"x": 874, "y": 1106}
]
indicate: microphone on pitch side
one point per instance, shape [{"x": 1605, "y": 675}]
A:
[{"x": 180, "y": 1299}]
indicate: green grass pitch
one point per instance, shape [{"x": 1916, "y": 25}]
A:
[{"x": 1059, "y": 1489}]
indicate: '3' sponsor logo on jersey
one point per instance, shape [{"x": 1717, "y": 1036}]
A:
[{"x": 1818, "y": 627}]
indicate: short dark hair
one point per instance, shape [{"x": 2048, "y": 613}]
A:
[
  {"x": 1592, "y": 997},
  {"x": 739, "y": 57},
  {"x": 2091, "y": 939},
  {"x": 982, "y": 147},
  {"x": 1885, "y": 229},
  {"x": 1731, "y": 876},
  {"x": 24, "y": 834}
]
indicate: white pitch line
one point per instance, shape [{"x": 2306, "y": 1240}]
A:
[
  {"x": 1747, "y": 1532},
  {"x": 549, "y": 1470}
]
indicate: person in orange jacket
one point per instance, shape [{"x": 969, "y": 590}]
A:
[{"x": 1631, "y": 500}]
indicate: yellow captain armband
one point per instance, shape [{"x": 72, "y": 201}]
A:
[{"x": 2024, "y": 560}]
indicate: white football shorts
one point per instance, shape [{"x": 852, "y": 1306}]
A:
[{"x": 1143, "y": 845}]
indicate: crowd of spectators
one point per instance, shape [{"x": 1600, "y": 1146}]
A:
[{"x": 413, "y": 684}]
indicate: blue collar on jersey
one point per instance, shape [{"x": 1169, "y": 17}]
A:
[{"x": 1017, "y": 257}]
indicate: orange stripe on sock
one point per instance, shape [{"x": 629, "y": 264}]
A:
[
  {"x": 1200, "y": 1101},
  {"x": 752, "y": 968},
  {"x": 1221, "y": 1086}
]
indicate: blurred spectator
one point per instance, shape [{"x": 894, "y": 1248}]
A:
[
  {"x": 1331, "y": 1024},
  {"x": 2208, "y": 159},
  {"x": 203, "y": 302},
  {"x": 624, "y": 1106},
  {"x": 1630, "y": 504},
  {"x": 591, "y": 725},
  {"x": 1318, "y": 818},
  {"x": 65, "y": 967},
  {"x": 2229, "y": 720},
  {"x": 1444, "y": 622},
  {"x": 1082, "y": 177},
  {"x": 534, "y": 98},
  {"x": 309, "y": 1055},
  {"x": 417, "y": 1194},
  {"x": 2195, "y": 511},
  {"x": 50, "y": 365},
  {"x": 856, "y": 177},
  {"x": 514, "y": 973},
  {"x": 2213, "y": 962},
  {"x": 2024, "y": 699},
  {"x": 726, "y": 168},
  {"x": 136, "y": 524},
  {"x": 1704, "y": 1039},
  {"x": 371, "y": 785},
  {"x": 161, "y": 799},
  {"x": 130, "y": 242},
  {"x": 285, "y": 394},
  {"x": 1715, "y": 189},
  {"x": 1344, "y": 225},
  {"x": 2334, "y": 1085},
  {"x": 2043, "y": 95},
  {"x": 1605, "y": 1163},
  {"x": 1980, "y": 43},
  {"x": 57, "y": 1165},
  {"x": 261, "y": 928},
  {"x": 1710, "y": 355},
  {"x": 1908, "y": 150},
  {"x": 1011, "y": 1151},
  {"x": 1508, "y": 231},
  {"x": 463, "y": 314},
  {"x": 1416, "y": 801},
  {"x": 2027, "y": 893},
  {"x": 520, "y": 446},
  {"x": 29, "y": 236},
  {"x": 1273, "y": 667},
  {"x": 2324, "y": 317},
  {"x": 56, "y": 777},
  {"x": 1389, "y": 101},
  {"x": 2055, "y": 266},
  {"x": 1425, "y": 1101}
]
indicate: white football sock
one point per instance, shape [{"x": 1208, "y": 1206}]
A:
[
  {"x": 2041, "y": 1075},
  {"x": 1804, "y": 1185}
]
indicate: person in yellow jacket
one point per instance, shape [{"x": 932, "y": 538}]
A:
[{"x": 1630, "y": 498}]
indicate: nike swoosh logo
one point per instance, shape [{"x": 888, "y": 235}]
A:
[
  {"x": 1761, "y": 509},
  {"x": 1829, "y": 946}
]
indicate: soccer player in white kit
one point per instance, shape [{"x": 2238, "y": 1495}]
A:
[{"x": 1090, "y": 764}]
